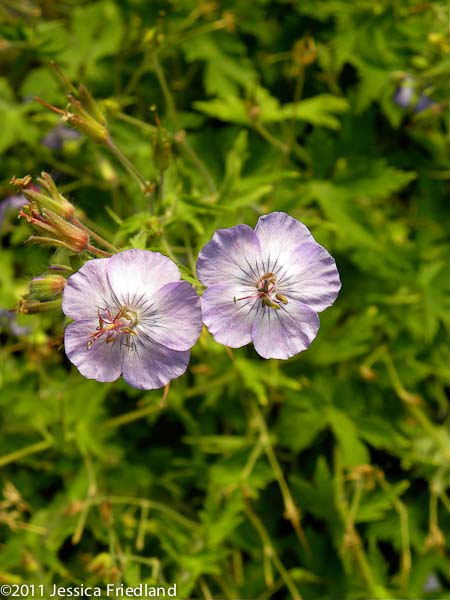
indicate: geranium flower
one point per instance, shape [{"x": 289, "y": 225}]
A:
[
  {"x": 133, "y": 316},
  {"x": 266, "y": 285}
]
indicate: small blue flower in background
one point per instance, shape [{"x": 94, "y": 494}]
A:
[
  {"x": 133, "y": 316},
  {"x": 58, "y": 135},
  {"x": 266, "y": 285},
  {"x": 406, "y": 95},
  {"x": 8, "y": 323},
  {"x": 9, "y": 204},
  {"x": 423, "y": 103}
]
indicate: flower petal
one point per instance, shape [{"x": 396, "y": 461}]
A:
[
  {"x": 279, "y": 234},
  {"x": 228, "y": 321},
  {"x": 101, "y": 361},
  {"x": 134, "y": 274},
  {"x": 284, "y": 332},
  {"x": 87, "y": 290},
  {"x": 311, "y": 277},
  {"x": 174, "y": 319},
  {"x": 231, "y": 257},
  {"x": 149, "y": 366}
]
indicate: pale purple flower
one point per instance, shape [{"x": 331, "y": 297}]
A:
[
  {"x": 9, "y": 204},
  {"x": 133, "y": 316},
  {"x": 266, "y": 285},
  {"x": 404, "y": 95},
  {"x": 423, "y": 103}
]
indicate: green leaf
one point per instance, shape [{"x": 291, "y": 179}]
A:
[
  {"x": 346, "y": 433},
  {"x": 319, "y": 110},
  {"x": 318, "y": 496},
  {"x": 227, "y": 68},
  {"x": 375, "y": 505}
]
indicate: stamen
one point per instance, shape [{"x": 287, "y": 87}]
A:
[
  {"x": 281, "y": 298},
  {"x": 269, "y": 303},
  {"x": 266, "y": 291},
  {"x": 122, "y": 323}
]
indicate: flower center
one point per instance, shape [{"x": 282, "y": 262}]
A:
[
  {"x": 267, "y": 290},
  {"x": 113, "y": 326}
]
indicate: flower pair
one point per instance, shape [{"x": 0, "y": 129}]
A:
[{"x": 134, "y": 316}]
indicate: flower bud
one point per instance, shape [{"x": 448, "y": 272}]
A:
[
  {"x": 61, "y": 205},
  {"x": 42, "y": 201},
  {"x": 74, "y": 237},
  {"x": 88, "y": 126},
  {"x": 304, "y": 51},
  {"x": 29, "y": 306},
  {"x": 47, "y": 287},
  {"x": 58, "y": 231},
  {"x": 47, "y": 196},
  {"x": 31, "y": 214},
  {"x": 90, "y": 105}
]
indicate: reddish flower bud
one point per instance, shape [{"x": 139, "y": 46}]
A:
[{"x": 74, "y": 237}]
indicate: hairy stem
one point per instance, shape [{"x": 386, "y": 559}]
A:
[
  {"x": 145, "y": 185},
  {"x": 180, "y": 138},
  {"x": 269, "y": 550},
  {"x": 26, "y": 451},
  {"x": 292, "y": 512}
]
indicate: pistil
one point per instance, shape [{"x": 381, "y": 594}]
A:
[{"x": 113, "y": 326}]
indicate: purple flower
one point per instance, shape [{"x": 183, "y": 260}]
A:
[
  {"x": 404, "y": 95},
  {"x": 58, "y": 135},
  {"x": 423, "y": 103},
  {"x": 133, "y": 316},
  {"x": 266, "y": 285},
  {"x": 9, "y": 323}
]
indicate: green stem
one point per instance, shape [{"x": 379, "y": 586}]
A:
[
  {"x": 130, "y": 417},
  {"x": 221, "y": 381},
  {"x": 271, "y": 139},
  {"x": 410, "y": 401},
  {"x": 94, "y": 250},
  {"x": 168, "y": 98},
  {"x": 145, "y": 185},
  {"x": 297, "y": 95},
  {"x": 402, "y": 511},
  {"x": 200, "y": 30},
  {"x": 359, "y": 555},
  {"x": 270, "y": 551},
  {"x": 136, "y": 122},
  {"x": 195, "y": 159},
  {"x": 150, "y": 504},
  {"x": 27, "y": 451},
  {"x": 445, "y": 501},
  {"x": 180, "y": 137},
  {"x": 291, "y": 510},
  {"x": 205, "y": 589},
  {"x": 140, "y": 537},
  {"x": 94, "y": 235}
]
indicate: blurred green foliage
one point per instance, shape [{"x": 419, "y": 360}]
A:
[{"x": 325, "y": 476}]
